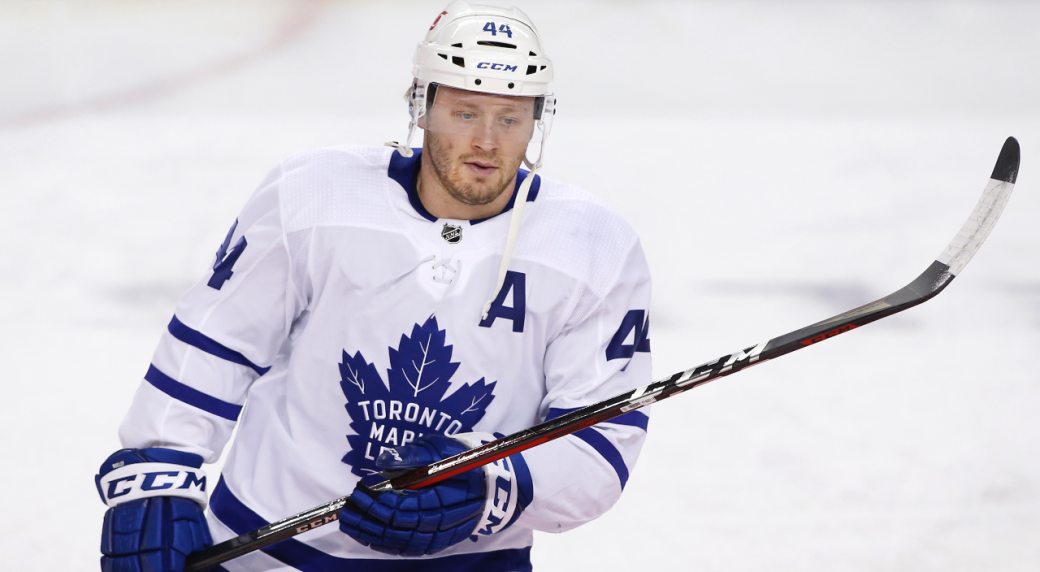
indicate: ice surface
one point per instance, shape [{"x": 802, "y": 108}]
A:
[{"x": 782, "y": 161}]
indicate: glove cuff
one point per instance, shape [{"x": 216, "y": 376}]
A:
[
  {"x": 508, "y": 484},
  {"x": 131, "y": 474}
]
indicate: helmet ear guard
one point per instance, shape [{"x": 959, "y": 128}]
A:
[
  {"x": 544, "y": 111},
  {"x": 416, "y": 99},
  {"x": 539, "y": 107},
  {"x": 431, "y": 95}
]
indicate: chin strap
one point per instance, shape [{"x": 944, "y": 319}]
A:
[
  {"x": 514, "y": 225},
  {"x": 405, "y": 148},
  {"x": 514, "y": 230},
  {"x": 402, "y": 148},
  {"x": 416, "y": 105},
  {"x": 405, "y": 151}
]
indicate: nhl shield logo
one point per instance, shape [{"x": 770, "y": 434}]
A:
[{"x": 451, "y": 234}]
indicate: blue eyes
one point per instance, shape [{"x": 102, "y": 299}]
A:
[{"x": 472, "y": 117}]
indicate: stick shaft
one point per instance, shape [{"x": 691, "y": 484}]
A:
[{"x": 926, "y": 286}]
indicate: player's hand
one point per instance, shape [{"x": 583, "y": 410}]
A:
[
  {"x": 156, "y": 516},
  {"x": 481, "y": 501}
]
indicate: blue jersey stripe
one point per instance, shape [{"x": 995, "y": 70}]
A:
[
  {"x": 632, "y": 418},
  {"x": 607, "y": 450},
  {"x": 532, "y": 193},
  {"x": 199, "y": 340},
  {"x": 405, "y": 170},
  {"x": 241, "y": 519},
  {"x": 601, "y": 444},
  {"x": 191, "y": 396}
]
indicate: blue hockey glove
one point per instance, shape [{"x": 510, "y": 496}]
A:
[
  {"x": 481, "y": 501},
  {"x": 156, "y": 499}
]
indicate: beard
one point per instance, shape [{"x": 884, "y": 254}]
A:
[{"x": 462, "y": 185}]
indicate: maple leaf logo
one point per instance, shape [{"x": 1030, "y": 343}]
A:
[{"x": 412, "y": 404}]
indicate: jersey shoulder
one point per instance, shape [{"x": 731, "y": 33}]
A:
[
  {"x": 592, "y": 216},
  {"x": 577, "y": 233},
  {"x": 335, "y": 185}
]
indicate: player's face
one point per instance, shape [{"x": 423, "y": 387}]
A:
[{"x": 476, "y": 142}]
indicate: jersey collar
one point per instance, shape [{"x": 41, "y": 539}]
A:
[{"x": 405, "y": 171}]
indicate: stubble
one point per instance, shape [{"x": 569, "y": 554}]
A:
[{"x": 477, "y": 191}]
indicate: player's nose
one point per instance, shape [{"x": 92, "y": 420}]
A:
[
  {"x": 486, "y": 139},
  {"x": 485, "y": 143}
]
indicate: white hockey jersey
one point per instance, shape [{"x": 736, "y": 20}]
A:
[{"x": 341, "y": 317}]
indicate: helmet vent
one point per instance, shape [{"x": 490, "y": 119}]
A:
[
  {"x": 445, "y": 56},
  {"x": 456, "y": 45},
  {"x": 531, "y": 69},
  {"x": 533, "y": 55},
  {"x": 496, "y": 44},
  {"x": 542, "y": 68},
  {"x": 461, "y": 62}
]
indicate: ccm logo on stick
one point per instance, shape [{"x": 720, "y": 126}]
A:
[
  {"x": 829, "y": 334},
  {"x": 317, "y": 522}
]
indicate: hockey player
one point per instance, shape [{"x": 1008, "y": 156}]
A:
[{"x": 380, "y": 308}]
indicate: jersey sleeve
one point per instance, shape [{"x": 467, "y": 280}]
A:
[
  {"x": 226, "y": 332},
  {"x": 603, "y": 350}
]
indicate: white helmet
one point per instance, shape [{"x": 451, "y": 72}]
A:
[{"x": 484, "y": 49}]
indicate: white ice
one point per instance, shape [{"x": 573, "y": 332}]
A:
[{"x": 783, "y": 162}]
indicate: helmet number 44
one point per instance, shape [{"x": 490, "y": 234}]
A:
[{"x": 504, "y": 28}]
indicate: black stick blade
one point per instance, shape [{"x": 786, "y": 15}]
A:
[{"x": 1006, "y": 168}]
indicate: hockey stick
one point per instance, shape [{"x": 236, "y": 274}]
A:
[{"x": 933, "y": 280}]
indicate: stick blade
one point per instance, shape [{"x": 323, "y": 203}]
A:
[{"x": 1006, "y": 168}]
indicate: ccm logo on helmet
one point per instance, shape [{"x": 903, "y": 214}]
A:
[{"x": 497, "y": 67}]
